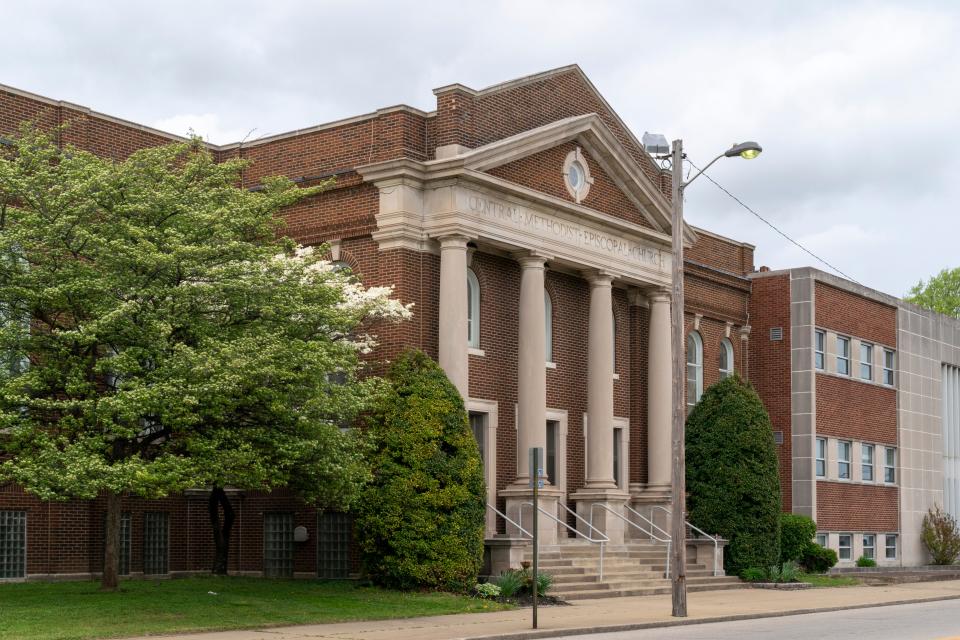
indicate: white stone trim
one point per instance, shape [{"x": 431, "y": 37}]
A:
[{"x": 491, "y": 409}]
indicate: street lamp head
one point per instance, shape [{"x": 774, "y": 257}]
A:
[{"x": 746, "y": 150}]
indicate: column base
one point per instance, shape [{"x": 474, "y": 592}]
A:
[
  {"x": 595, "y": 506},
  {"x": 504, "y": 553},
  {"x": 653, "y": 503},
  {"x": 519, "y": 499}
]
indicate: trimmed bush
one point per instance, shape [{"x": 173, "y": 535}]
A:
[
  {"x": 754, "y": 574},
  {"x": 421, "y": 520},
  {"x": 796, "y": 532},
  {"x": 864, "y": 561},
  {"x": 732, "y": 475},
  {"x": 940, "y": 536},
  {"x": 817, "y": 559}
]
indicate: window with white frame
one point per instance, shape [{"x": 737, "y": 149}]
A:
[
  {"x": 870, "y": 546},
  {"x": 843, "y": 356},
  {"x": 845, "y": 546},
  {"x": 888, "y": 367},
  {"x": 726, "y": 358},
  {"x": 843, "y": 459},
  {"x": 889, "y": 465},
  {"x": 866, "y": 361},
  {"x": 890, "y": 547},
  {"x": 473, "y": 310},
  {"x": 866, "y": 462},
  {"x": 694, "y": 369},
  {"x": 821, "y": 457},
  {"x": 822, "y": 539},
  {"x": 548, "y": 324},
  {"x": 819, "y": 341}
]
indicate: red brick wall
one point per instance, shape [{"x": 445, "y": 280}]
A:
[
  {"x": 721, "y": 254},
  {"x": 855, "y": 316},
  {"x": 856, "y": 507},
  {"x": 856, "y": 410}
]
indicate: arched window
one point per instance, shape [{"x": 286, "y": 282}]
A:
[
  {"x": 548, "y": 324},
  {"x": 694, "y": 369},
  {"x": 726, "y": 358},
  {"x": 473, "y": 310},
  {"x": 340, "y": 265}
]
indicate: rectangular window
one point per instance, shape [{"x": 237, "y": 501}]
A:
[
  {"x": 820, "y": 339},
  {"x": 553, "y": 429},
  {"x": 845, "y": 546},
  {"x": 821, "y": 457},
  {"x": 822, "y": 539},
  {"x": 870, "y": 546},
  {"x": 617, "y": 454},
  {"x": 13, "y": 544},
  {"x": 478, "y": 425},
  {"x": 843, "y": 459},
  {"x": 866, "y": 361},
  {"x": 888, "y": 367},
  {"x": 889, "y": 465},
  {"x": 891, "y": 546},
  {"x": 156, "y": 542},
  {"x": 278, "y": 545},
  {"x": 333, "y": 544},
  {"x": 124, "y": 550},
  {"x": 843, "y": 356},
  {"x": 866, "y": 462}
]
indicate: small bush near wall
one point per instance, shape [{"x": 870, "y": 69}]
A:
[
  {"x": 817, "y": 559},
  {"x": 940, "y": 535},
  {"x": 421, "y": 521},
  {"x": 796, "y": 532},
  {"x": 732, "y": 474}
]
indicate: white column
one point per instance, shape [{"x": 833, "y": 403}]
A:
[
  {"x": 453, "y": 312},
  {"x": 600, "y": 384},
  {"x": 659, "y": 393},
  {"x": 531, "y": 371}
]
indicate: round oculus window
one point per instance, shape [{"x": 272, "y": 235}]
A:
[{"x": 575, "y": 176}]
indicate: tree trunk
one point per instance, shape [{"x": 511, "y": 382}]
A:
[
  {"x": 221, "y": 529},
  {"x": 111, "y": 548}
]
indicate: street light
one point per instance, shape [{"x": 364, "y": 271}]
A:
[{"x": 748, "y": 151}]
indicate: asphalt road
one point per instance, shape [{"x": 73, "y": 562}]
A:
[{"x": 926, "y": 621}]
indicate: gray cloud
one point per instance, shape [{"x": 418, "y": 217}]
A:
[{"x": 855, "y": 103}]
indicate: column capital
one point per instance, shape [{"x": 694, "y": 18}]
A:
[
  {"x": 745, "y": 332},
  {"x": 659, "y": 296},
  {"x": 453, "y": 241},
  {"x": 531, "y": 259},
  {"x": 598, "y": 278}
]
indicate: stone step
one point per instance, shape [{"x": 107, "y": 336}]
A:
[{"x": 662, "y": 588}]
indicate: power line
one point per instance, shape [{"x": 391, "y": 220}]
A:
[{"x": 770, "y": 224}]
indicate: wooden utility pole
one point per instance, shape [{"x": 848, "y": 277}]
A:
[{"x": 678, "y": 532}]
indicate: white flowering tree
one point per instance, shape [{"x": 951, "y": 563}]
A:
[{"x": 160, "y": 334}]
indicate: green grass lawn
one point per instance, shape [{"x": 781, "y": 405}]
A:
[
  {"x": 818, "y": 580},
  {"x": 34, "y": 611}
]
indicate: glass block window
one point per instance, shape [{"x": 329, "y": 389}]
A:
[
  {"x": 13, "y": 544},
  {"x": 156, "y": 542},
  {"x": 278, "y": 545},
  {"x": 124, "y": 550},
  {"x": 333, "y": 544}
]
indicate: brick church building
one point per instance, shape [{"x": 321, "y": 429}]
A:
[{"x": 532, "y": 231}]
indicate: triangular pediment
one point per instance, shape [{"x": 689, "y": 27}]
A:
[{"x": 598, "y": 143}]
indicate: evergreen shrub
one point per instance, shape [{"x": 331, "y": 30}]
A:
[
  {"x": 817, "y": 559},
  {"x": 732, "y": 474},
  {"x": 421, "y": 520},
  {"x": 796, "y": 532}
]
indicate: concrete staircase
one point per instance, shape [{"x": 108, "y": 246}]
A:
[{"x": 633, "y": 569}]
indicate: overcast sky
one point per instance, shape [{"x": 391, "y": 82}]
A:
[{"x": 857, "y": 104}]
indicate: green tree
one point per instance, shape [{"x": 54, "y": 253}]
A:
[
  {"x": 163, "y": 335},
  {"x": 732, "y": 474},
  {"x": 940, "y": 293},
  {"x": 421, "y": 520},
  {"x": 796, "y": 535}
]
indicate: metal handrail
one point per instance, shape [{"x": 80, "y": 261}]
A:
[
  {"x": 575, "y": 531},
  {"x": 507, "y": 518},
  {"x": 667, "y": 539},
  {"x": 716, "y": 542}
]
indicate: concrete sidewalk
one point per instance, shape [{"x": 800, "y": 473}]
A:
[{"x": 609, "y": 614}]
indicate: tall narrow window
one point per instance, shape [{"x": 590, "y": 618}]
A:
[
  {"x": 866, "y": 361},
  {"x": 888, "y": 367},
  {"x": 822, "y": 539},
  {"x": 278, "y": 545},
  {"x": 821, "y": 457},
  {"x": 870, "y": 546},
  {"x": 548, "y": 324},
  {"x": 617, "y": 455},
  {"x": 866, "y": 462},
  {"x": 553, "y": 431},
  {"x": 694, "y": 369},
  {"x": 843, "y": 459},
  {"x": 13, "y": 544},
  {"x": 156, "y": 542},
  {"x": 889, "y": 465},
  {"x": 820, "y": 339},
  {"x": 843, "y": 356},
  {"x": 473, "y": 310},
  {"x": 478, "y": 424},
  {"x": 726, "y": 358},
  {"x": 333, "y": 544},
  {"x": 890, "y": 546},
  {"x": 845, "y": 546},
  {"x": 123, "y": 552}
]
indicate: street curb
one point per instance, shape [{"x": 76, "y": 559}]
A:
[{"x": 570, "y": 631}]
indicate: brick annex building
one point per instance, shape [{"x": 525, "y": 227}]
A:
[{"x": 532, "y": 231}]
